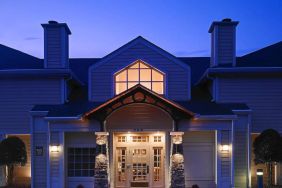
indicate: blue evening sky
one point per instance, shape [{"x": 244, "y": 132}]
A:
[{"x": 101, "y": 26}]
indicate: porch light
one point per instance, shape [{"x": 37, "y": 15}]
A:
[
  {"x": 176, "y": 137},
  {"x": 260, "y": 172},
  {"x": 225, "y": 148},
  {"x": 101, "y": 138},
  {"x": 54, "y": 148}
]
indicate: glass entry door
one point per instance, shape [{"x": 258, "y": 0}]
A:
[{"x": 139, "y": 160}]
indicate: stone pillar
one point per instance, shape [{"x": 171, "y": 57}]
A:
[
  {"x": 102, "y": 161},
  {"x": 3, "y": 178},
  {"x": 177, "y": 161}
]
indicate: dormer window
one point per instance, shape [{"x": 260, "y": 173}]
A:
[{"x": 139, "y": 73}]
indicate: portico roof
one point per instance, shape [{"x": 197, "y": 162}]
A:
[{"x": 139, "y": 94}]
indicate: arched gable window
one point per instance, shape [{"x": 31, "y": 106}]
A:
[{"x": 139, "y": 73}]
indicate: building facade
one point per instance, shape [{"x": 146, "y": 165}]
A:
[{"x": 140, "y": 117}]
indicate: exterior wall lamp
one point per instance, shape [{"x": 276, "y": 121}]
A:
[
  {"x": 260, "y": 172},
  {"x": 54, "y": 148},
  {"x": 225, "y": 148}
]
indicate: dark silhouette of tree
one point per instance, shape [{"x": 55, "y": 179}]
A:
[
  {"x": 268, "y": 150},
  {"x": 12, "y": 152}
]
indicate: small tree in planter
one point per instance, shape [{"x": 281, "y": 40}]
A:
[
  {"x": 12, "y": 152},
  {"x": 268, "y": 150}
]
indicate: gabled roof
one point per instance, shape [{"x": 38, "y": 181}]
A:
[
  {"x": 139, "y": 94},
  {"x": 140, "y": 40},
  {"x": 15, "y": 59},
  {"x": 270, "y": 56},
  {"x": 88, "y": 109}
]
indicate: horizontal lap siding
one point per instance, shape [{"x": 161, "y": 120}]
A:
[
  {"x": 102, "y": 87},
  {"x": 54, "y": 47},
  {"x": 18, "y": 96},
  {"x": 262, "y": 95},
  {"x": 225, "y": 45},
  {"x": 241, "y": 151},
  {"x": 226, "y": 155},
  {"x": 40, "y": 162},
  {"x": 54, "y": 157}
]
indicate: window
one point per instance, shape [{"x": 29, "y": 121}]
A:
[
  {"x": 139, "y": 73},
  {"x": 157, "y": 164},
  {"x": 81, "y": 162},
  {"x": 140, "y": 138},
  {"x": 157, "y": 138}
]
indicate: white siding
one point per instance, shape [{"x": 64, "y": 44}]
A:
[
  {"x": 139, "y": 116},
  {"x": 40, "y": 162},
  {"x": 56, "y": 47},
  {"x": 226, "y": 46},
  {"x": 241, "y": 148},
  {"x": 101, "y": 78},
  {"x": 263, "y": 95},
  {"x": 199, "y": 153},
  {"x": 18, "y": 96}
]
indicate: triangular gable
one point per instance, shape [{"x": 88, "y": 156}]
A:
[
  {"x": 138, "y": 94},
  {"x": 148, "y": 44}
]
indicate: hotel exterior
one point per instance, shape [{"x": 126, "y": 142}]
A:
[{"x": 140, "y": 117}]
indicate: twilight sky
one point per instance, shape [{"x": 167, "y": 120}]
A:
[{"x": 101, "y": 26}]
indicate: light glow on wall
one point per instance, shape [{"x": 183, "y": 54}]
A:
[
  {"x": 260, "y": 172},
  {"x": 225, "y": 148},
  {"x": 55, "y": 148}
]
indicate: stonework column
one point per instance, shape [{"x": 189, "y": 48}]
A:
[
  {"x": 2, "y": 168},
  {"x": 102, "y": 160},
  {"x": 177, "y": 161}
]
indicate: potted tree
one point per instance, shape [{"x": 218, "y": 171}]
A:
[
  {"x": 12, "y": 152},
  {"x": 267, "y": 150}
]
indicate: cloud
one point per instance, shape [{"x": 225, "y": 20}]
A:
[
  {"x": 31, "y": 38},
  {"x": 192, "y": 53}
]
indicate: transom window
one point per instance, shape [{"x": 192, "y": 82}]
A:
[{"x": 139, "y": 73}]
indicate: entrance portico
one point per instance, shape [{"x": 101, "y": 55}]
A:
[{"x": 139, "y": 123}]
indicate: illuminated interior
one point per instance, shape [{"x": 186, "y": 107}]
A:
[{"x": 139, "y": 73}]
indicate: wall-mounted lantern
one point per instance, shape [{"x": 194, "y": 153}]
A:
[
  {"x": 260, "y": 172},
  {"x": 102, "y": 138},
  {"x": 225, "y": 148},
  {"x": 176, "y": 137},
  {"x": 54, "y": 148}
]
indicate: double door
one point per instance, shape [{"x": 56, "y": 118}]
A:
[{"x": 139, "y": 160}]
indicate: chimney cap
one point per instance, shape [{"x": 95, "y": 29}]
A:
[
  {"x": 55, "y": 24},
  {"x": 227, "y": 20},
  {"x": 224, "y": 22},
  {"x": 52, "y": 22}
]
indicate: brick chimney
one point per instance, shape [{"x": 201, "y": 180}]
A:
[
  {"x": 56, "y": 45},
  {"x": 223, "y": 42}
]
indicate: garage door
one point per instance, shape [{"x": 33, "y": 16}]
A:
[{"x": 199, "y": 158}]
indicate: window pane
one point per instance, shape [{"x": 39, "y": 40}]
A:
[
  {"x": 136, "y": 65},
  {"x": 120, "y": 87},
  {"x": 133, "y": 75},
  {"x": 131, "y": 84},
  {"x": 146, "y": 84},
  {"x": 158, "y": 87},
  {"x": 142, "y": 65},
  {"x": 157, "y": 76},
  {"x": 121, "y": 76},
  {"x": 145, "y": 74}
]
